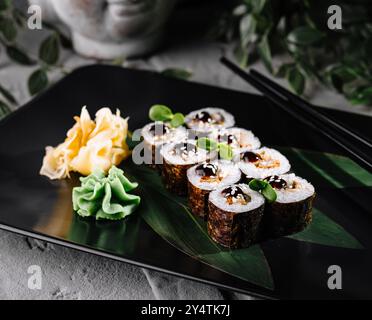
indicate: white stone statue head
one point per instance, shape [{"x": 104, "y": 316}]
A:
[{"x": 108, "y": 29}]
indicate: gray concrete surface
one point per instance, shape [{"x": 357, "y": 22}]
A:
[{"x": 69, "y": 274}]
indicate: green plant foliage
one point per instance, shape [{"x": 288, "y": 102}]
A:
[
  {"x": 6, "y": 93},
  {"x": 13, "y": 20},
  {"x": 8, "y": 28},
  {"x": 19, "y": 56},
  {"x": 38, "y": 81},
  {"x": 49, "y": 49},
  {"x": 341, "y": 60},
  {"x": 4, "y": 109},
  {"x": 177, "y": 73}
]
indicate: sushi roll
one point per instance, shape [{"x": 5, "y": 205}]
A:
[
  {"x": 204, "y": 121},
  {"x": 292, "y": 210},
  {"x": 235, "y": 214},
  {"x": 237, "y": 138},
  {"x": 155, "y": 134},
  {"x": 205, "y": 177},
  {"x": 178, "y": 157},
  {"x": 262, "y": 163}
]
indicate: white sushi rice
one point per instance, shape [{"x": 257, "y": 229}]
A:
[
  {"x": 218, "y": 199},
  {"x": 174, "y": 134},
  {"x": 273, "y": 163},
  {"x": 206, "y": 127},
  {"x": 298, "y": 189},
  {"x": 227, "y": 172},
  {"x": 244, "y": 139},
  {"x": 168, "y": 154}
]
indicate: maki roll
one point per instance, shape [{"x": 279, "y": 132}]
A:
[
  {"x": 235, "y": 213},
  {"x": 178, "y": 157},
  {"x": 262, "y": 163},
  {"x": 205, "y": 177},
  {"x": 237, "y": 138},
  {"x": 292, "y": 210},
  {"x": 155, "y": 134},
  {"x": 204, "y": 121}
]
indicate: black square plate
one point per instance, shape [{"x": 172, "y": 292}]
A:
[{"x": 32, "y": 205}]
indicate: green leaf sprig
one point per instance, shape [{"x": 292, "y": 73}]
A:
[
  {"x": 159, "y": 112},
  {"x": 177, "y": 73},
  {"x": 224, "y": 150},
  {"x": 265, "y": 188},
  {"x": 336, "y": 59},
  {"x": 12, "y": 22}
]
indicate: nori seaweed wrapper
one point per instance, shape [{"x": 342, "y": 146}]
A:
[
  {"x": 198, "y": 200},
  {"x": 154, "y": 150},
  {"x": 175, "y": 177},
  {"x": 234, "y": 229},
  {"x": 282, "y": 219}
]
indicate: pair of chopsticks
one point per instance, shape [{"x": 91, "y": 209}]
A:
[{"x": 352, "y": 143}]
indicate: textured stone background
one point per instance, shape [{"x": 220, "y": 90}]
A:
[{"x": 69, "y": 274}]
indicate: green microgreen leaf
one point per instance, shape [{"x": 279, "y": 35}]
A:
[
  {"x": 269, "y": 193},
  {"x": 225, "y": 151},
  {"x": 257, "y": 184},
  {"x": 160, "y": 112},
  {"x": 265, "y": 188},
  {"x": 177, "y": 120},
  {"x": 207, "y": 144}
]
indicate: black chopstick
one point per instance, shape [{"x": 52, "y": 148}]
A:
[
  {"x": 314, "y": 122},
  {"x": 307, "y": 107}
]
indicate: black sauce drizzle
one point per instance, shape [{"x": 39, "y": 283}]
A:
[
  {"x": 206, "y": 170},
  {"x": 250, "y": 156},
  {"x": 277, "y": 182}
]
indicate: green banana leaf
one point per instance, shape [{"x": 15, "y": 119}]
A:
[
  {"x": 326, "y": 169},
  {"x": 325, "y": 231},
  {"x": 169, "y": 216}
]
